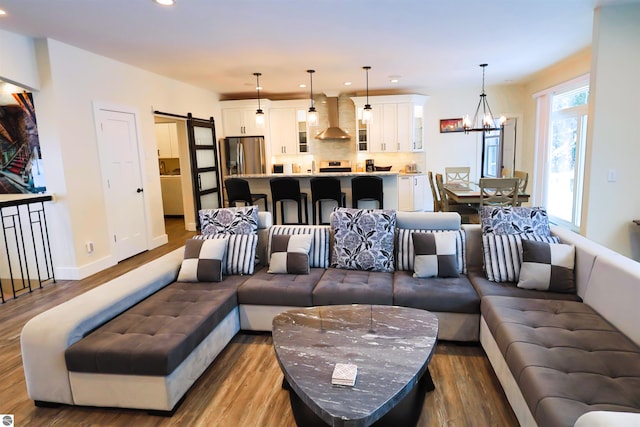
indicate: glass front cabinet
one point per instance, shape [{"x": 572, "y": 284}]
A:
[{"x": 397, "y": 123}]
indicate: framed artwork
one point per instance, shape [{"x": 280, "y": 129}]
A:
[{"x": 451, "y": 125}]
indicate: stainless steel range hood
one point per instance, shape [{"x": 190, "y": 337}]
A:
[{"x": 333, "y": 132}]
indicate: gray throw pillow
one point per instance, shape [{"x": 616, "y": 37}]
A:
[
  {"x": 435, "y": 255},
  {"x": 547, "y": 267},
  {"x": 290, "y": 253},
  {"x": 202, "y": 261}
]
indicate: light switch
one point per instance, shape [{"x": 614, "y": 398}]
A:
[{"x": 612, "y": 175}]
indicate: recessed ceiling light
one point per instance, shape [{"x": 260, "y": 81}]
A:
[
  {"x": 2, "y": 12},
  {"x": 394, "y": 78},
  {"x": 347, "y": 83},
  {"x": 165, "y": 2},
  {"x": 302, "y": 85}
]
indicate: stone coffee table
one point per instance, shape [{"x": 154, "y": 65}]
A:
[{"x": 391, "y": 347}]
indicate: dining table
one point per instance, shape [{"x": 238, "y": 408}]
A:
[{"x": 469, "y": 193}]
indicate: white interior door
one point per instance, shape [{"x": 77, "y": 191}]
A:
[{"x": 120, "y": 159}]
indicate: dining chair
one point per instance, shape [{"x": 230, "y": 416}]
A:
[
  {"x": 437, "y": 204},
  {"x": 457, "y": 174},
  {"x": 468, "y": 213},
  {"x": 499, "y": 191},
  {"x": 506, "y": 173}
]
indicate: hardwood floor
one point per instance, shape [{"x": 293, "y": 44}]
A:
[{"x": 243, "y": 386}]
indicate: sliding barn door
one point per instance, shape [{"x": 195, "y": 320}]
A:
[{"x": 204, "y": 164}]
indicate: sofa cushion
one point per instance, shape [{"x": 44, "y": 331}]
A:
[
  {"x": 156, "y": 335},
  {"x": 566, "y": 358},
  {"x": 363, "y": 239},
  {"x": 514, "y": 220},
  {"x": 290, "y": 254},
  {"x": 484, "y": 287},
  {"x": 435, "y": 255},
  {"x": 338, "y": 286},
  {"x": 241, "y": 252},
  {"x": 234, "y": 220},
  {"x": 503, "y": 254},
  {"x": 319, "y": 253},
  {"x": 202, "y": 260},
  {"x": 547, "y": 267},
  {"x": 294, "y": 290},
  {"x": 451, "y": 295},
  {"x": 405, "y": 252}
]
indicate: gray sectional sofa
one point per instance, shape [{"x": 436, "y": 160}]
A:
[{"x": 562, "y": 359}]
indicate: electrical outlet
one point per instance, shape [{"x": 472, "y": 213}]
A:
[
  {"x": 89, "y": 246},
  {"x": 612, "y": 175}
]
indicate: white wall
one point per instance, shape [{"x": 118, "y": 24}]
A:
[
  {"x": 72, "y": 80},
  {"x": 460, "y": 149},
  {"x": 18, "y": 63},
  {"x": 614, "y": 142}
]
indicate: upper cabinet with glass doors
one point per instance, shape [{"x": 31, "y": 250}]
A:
[{"x": 397, "y": 123}]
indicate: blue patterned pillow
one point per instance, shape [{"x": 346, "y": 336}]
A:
[
  {"x": 239, "y": 220},
  {"x": 363, "y": 239},
  {"x": 514, "y": 220}
]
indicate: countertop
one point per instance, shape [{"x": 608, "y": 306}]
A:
[{"x": 313, "y": 175}]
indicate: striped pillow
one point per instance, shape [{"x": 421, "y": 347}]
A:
[
  {"x": 405, "y": 251},
  {"x": 241, "y": 252},
  {"x": 319, "y": 253},
  {"x": 503, "y": 254}
]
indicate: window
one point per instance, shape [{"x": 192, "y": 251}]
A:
[{"x": 561, "y": 150}]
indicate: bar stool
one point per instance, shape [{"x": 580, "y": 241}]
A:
[
  {"x": 366, "y": 188},
  {"x": 238, "y": 191},
  {"x": 288, "y": 189},
  {"x": 325, "y": 189}
]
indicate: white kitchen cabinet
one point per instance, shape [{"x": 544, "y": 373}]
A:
[
  {"x": 167, "y": 140},
  {"x": 412, "y": 190},
  {"x": 239, "y": 117},
  {"x": 283, "y": 125},
  {"x": 288, "y": 127},
  {"x": 396, "y": 124}
]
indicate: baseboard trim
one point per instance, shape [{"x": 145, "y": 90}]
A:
[{"x": 78, "y": 273}]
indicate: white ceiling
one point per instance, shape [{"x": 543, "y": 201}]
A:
[{"x": 219, "y": 44}]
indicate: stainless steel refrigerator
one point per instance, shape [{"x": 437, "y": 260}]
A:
[{"x": 243, "y": 155}]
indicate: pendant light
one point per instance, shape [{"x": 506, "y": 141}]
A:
[
  {"x": 488, "y": 121},
  {"x": 259, "y": 112},
  {"x": 366, "y": 112},
  {"x": 312, "y": 114}
]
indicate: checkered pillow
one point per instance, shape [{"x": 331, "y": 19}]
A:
[
  {"x": 547, "y": 267},
  {"x": 435, "y": 255},
  {"x": 290, "y": 253},
  {"x": 202, "y": 260},
  {"x": 241, "y": 251},
  {"x": 405, "y": 252},
  {"x": 319, "y": 252}
]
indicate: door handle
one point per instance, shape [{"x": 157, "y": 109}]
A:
[{"x": 139, "y": 190}]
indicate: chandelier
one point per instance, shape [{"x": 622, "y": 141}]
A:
[{"x": 488, "y": 121}]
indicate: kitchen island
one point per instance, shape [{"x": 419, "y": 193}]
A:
[{"x": 259, "y": 183}]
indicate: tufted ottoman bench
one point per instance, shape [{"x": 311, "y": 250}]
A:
[
  {"x": 566, "y": 359},
  {"x": 137, "y": 354}
]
